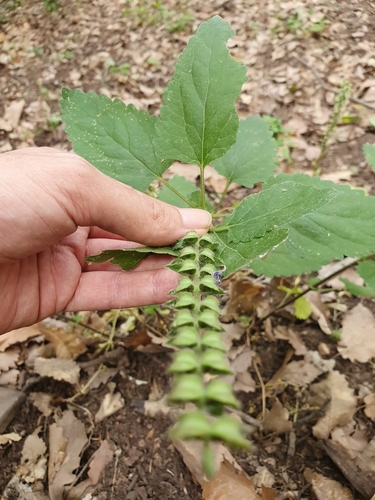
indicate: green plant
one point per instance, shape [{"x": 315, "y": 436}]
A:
[
  {"x": 54, "y": 120},
  {"x": 294, "y": 22},
  {"x": 281, "y": 135},
  {"x": 51, "y": 5},
  {"x": 294, "y": 225},
  {"x": 151, "y": 13}
]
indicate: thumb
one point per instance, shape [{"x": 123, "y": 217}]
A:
[{"x": 122, "y": 210}]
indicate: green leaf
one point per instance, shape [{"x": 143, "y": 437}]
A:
[
  {"x": 198, "y": 120},
  {"x": 366, "y": 270},
  {"x": 302, "y": 308},
  {"x": 243, "y": 254},
  {"x": 253, "y": 228},
  {"x": 128, "y": 258},
  {"x": 184, "y": 361},
  {"x": 273, "y": 208},
  {"x": 213, "y": 361},
  {"x": 229, "y": 430},
  {"x": 343, "y": 227},
  {"x": 358, "y": 290},
  {"x": 253, "y": 157},
  {"x": 187, "y": 388},
  {"x": 193, "y": 425},
  {"x": 219, "y": 391},
  {"x": 369, "y": 151},
  {"x": 183, "y": 186},
  {"x": 115, "y": 138}
]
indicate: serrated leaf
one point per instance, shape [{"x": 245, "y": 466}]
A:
[
  {"x": 366, "y": 270},
  {"x": 369, "y": 151},
  {"x": 183, "y": 186},
  {"x": 198, "y": 120},
  {"x": 128, "y": 258},
  {"x": 273, "y": 208},
  {"x": 253, "y": 157},
  {"x": 343, "y": 227},
  {"x": 115, "y": 138}
]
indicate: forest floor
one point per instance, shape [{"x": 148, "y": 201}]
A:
[{"x": 93, "y": 424}]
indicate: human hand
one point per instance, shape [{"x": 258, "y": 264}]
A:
[{"x": 55, "y": 209}]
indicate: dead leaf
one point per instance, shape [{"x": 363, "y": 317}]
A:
[
  {"x": 243, "y": 297},
  {"x": 68, "y": 345},
  {"x": 9, "y": 358},
  {"x": 351, "y": 439},
  {"x": 191, "y": 452},
  {"x": 228, "y": 483},
  {"x": 42, "y": 401},
  {"x": 101, "y": 458},
  {"x": 59, "y": 369},
  {"x": 9, "y": 378},
  {"x": 12, "y": 115},
  {"x": 340, "y": 409},
  {"x": 100, "y": 378},
  {"x": 369, "y": 401},
  {"x": 277, "y": 419},
  {"x": 263, "y": 477},
  {"x": 318, "y": 311},
  {"x": 358, "y": 335},
  {"x": 303, "y": 371},
  {"x": 313, "y": 152},
  {"x": 67, "y": 440},
  {"x": 366, "y": 460},
  {"x": 111, "y": 403},
  {"x": 328, "y": 489},
  {"x": 8, "y": 438},
  {"x": 294, "y": 339},
  {"x": 33, "y": 464},
  {"x": 18, "y": 336}
]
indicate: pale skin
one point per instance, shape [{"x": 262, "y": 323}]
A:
[{"x": 56, "y": 209}]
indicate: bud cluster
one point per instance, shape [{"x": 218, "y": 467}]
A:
[{"x": 200, "y": 358}]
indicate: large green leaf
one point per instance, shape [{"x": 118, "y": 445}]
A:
[
  {"x": 115, "y": 138},
  {"x": 369, "y": 151},
  {"x": 273, "y": 208},
  {"x": 254, "y": 228},
  {"x": 128, "y": 258},
  {"x": 343, "y": 227},
  {"x": 199, "y": 122},
  {"x": 253, "y": 156}
]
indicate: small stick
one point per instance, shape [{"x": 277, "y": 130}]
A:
[
  {"x": 117, "y": 454},
  {"x": 263, "y": 390},
  {"x": 331, "y": 89}
]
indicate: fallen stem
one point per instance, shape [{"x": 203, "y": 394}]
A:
[
  {"x": 327, "y": 87},
  {"x": 308, "y": 288}
]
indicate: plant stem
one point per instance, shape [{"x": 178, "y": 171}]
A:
[
  {"x": 222, "y": 196},
  {"x": 163, "y": 181},
  {"x": 203, "y": 192}
]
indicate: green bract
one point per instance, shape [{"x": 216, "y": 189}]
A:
[{"x": 196, "y": 331}]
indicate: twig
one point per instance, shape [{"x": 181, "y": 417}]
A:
[
  {"x": 112, "y": 356},
  {"x": 308, "y": 288},
  {"x": 246, "y": 418},
  {"x": 263, "y": 390},
  {"x": 117, "y": 454},
  {"x": 327, "y": 87}
]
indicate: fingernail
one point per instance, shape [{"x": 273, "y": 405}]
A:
[{"x": 195, "y": 218}]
